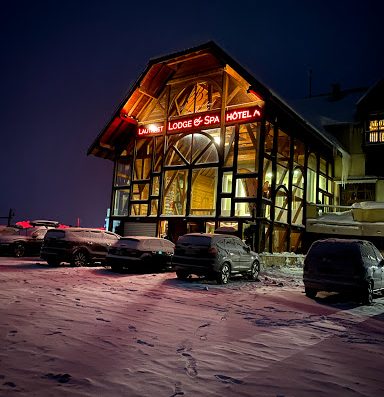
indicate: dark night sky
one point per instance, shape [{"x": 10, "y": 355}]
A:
[{"x": 66, "y": 65}]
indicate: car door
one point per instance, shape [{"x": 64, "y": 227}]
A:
[
  {"x": 109, "y": 240},
  {"x": 233, "y": 252},
  {"x": 96, "y": 244},
  {"x": 244, "y": 257}
]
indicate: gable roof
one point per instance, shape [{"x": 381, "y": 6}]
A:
[{"x": 120, "y": 129}]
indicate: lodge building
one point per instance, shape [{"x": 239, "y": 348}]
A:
[{"x": 199, "y": 144}]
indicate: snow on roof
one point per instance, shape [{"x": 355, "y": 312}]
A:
[{"x": 325, "y": 110}]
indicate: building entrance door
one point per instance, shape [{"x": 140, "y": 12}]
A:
[
  {"x": 196, "y": 227},
  {"x": 176, "y": 228}
]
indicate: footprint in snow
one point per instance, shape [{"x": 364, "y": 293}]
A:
[
  {"x": 142, "y": 342},
  {"x": 102, "y": 319},
  {"x": 228, "y": 379},
  {"x": 61, "y": 378},
  {"x": 10, "y": 384}
]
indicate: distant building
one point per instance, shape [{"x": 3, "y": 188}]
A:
[
  {"x": 199, "y": 144},
  {"x": 356, "y": 118}
]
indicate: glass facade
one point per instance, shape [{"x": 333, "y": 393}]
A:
[{"x": 217, "y": 161}]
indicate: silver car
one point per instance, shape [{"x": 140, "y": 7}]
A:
[{"x": 215, "y": 256}]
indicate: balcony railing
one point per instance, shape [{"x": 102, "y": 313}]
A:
[{"x": 316, "y": 210}]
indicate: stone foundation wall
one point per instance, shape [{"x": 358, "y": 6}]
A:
[{"x": 281, "y": 259}]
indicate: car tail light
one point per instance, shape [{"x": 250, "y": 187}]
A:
[{"x": 212, "y": 251}]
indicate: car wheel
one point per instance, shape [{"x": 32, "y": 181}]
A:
[
  {"x": 79, "y": 258},
  {"x": 310, "y": 292},
  {"x": 19, "y": 250},
  {"x": 367, "y": 294},
  {"x": 223, "y": 275},
  {"x": 182, "y": 274},
  {"x": 254, "y": 271}
]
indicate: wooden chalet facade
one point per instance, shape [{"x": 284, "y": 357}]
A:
[{"x": 199, "y": 143}]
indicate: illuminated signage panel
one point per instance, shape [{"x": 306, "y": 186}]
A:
[
  {"x": 209, "y": 120},
  {"x": 151, "y": 129},
  {"x": 201, "y": 121}
]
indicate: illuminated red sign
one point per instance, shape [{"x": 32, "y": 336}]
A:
[
  {"x": 188, "y": 123},
  {"x": 152, "y": 129},
  {"x": 246, "y": 114},
  {"x": 206, "y": 120}
]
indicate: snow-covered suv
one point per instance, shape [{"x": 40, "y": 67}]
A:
[
  {"x": 215, "y": 256},
  {"x": 77, "y": 246},
  {"x": 343, "y": 265}
]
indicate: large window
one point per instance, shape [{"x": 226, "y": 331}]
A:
[
  {"x": 312, "y": 179},
  {"x": 203, "y": 192},
  {"x": 190, "y": 177},
  {"x": 175, "y": 192},
  {"x": 283, "y": 155},
  {"x": 247, "y": 159},
  {"x": 281, "y": 205},
  {"x": 297, "y": 196},
  {"x": 326, "y": 185},
  {"x": 229, "y": 146},
  {"x": 143, "y": 159},
  {"x": 120, "y": 205},
  {"x": 123, "y": 172},
  {"x": 357, "y": 192}
]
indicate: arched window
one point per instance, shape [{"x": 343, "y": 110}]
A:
[
  {"x": 190, "y": 175},
  {"x": 194, "y": 148}
]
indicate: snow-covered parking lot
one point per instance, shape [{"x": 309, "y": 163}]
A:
[{"x": 90, "y": 332}]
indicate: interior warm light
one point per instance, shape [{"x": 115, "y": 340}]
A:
[{"x": 217, "y": 139}]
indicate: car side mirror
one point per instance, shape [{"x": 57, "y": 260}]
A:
[{"x": 248, "y": 248}]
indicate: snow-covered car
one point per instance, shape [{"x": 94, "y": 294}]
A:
[
  {"x": 345, "y": 266},
  {"x": 77, "y": 246},
  {"x": 19, "y": 242},
  {"x": 215, "y": 256},
  {"x": 141, "y": 253}
]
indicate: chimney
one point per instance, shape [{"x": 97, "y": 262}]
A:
[{"x": 336, "y": 91}]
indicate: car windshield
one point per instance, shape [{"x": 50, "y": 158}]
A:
[
  {"x": 129, "y": 242},
  {"x": 55, "y": 233},
  {"x": 195, "y": 240},
  {"x": 336, "y": 251}
]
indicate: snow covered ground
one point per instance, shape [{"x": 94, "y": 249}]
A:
[{"x": 90, "y": 332}]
